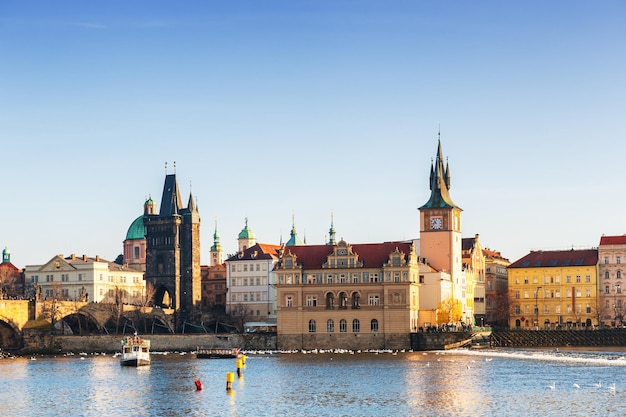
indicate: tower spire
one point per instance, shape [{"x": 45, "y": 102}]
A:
[
  {"x": 331, "y": 231},
  {"x": 439, "y": 182}
]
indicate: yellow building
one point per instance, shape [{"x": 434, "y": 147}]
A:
[
  {"x": 554, "y": 289},
  {"x": 361, "y": 296}
]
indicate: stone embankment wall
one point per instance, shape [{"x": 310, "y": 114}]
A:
[
  {"x": 559, "y": 338},
  {"x": 437, "y": 341},
  {"x": 158, "y": 342}
]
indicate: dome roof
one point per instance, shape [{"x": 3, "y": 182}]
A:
[
  {"x": 246, "y": 233},
  {"x": 136, "y": 230}
]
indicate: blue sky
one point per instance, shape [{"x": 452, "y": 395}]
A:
[{"x": 276, "y": 108}]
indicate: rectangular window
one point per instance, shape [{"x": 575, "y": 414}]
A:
[
  {"x": 568, "y": 279},
  {"x": 289, "y": 301},
  {"x": 517, "y": 294},
  {"x": 557, "y": 309},
  {"x": 311, "y": 301},
  {"x": 329, "y": 279},
  {"x": 606, "y": 260},
  {"x": 577, "y": 278},
  {"x": 587, "y": 278},
  {"x": 245, "y": 268},
  {"x": 619, "y": 259},
  {"x": 517, "y": 310},
  {"x": 374, "y": 300}
]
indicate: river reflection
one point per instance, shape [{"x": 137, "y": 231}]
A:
[{"x": 464, "y": 383}]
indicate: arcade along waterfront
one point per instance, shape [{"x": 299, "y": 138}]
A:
[{"x": 498, "y": 382}]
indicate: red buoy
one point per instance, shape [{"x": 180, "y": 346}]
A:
[{"x": 198, "y": 385}]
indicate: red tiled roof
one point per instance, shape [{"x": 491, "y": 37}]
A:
[
  {"x": 373, "y": 255},
  {"x": 560, "y": 258},
  {"x": 263, "y": 251},
  {"x": 613, "y": 240}
]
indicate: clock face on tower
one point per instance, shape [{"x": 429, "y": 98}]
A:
[{"x": 436, "y": 223}]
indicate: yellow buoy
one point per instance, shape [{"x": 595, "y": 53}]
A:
[{"x": 230, "y": 377}]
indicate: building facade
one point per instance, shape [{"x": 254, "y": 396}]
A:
[
  {"x": 496, "y": 289},
  {"x": 474, "y": 267},
  {"x": 249, "y": 277},
  {"x": 554, "y": 290},
  {"x": 361, "y": 296},
  {"x": 83, "y": 278},
  {"x": 173, "y": 254},
  {"x": 611, "y": 253}
]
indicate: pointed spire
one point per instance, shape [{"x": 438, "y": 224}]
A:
[
  {"x": 216, "y": 239},
  {"x": 439, "y": 182},
  {"x": 294, "y": 240},
  {"x": 331, "y": 231}
]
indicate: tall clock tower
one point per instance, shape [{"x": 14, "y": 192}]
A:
[{"x": 440, "y": 224}]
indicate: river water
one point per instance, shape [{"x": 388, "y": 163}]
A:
[{"x": 452, "y": 383}]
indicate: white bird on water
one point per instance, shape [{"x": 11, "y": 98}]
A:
[
  {"x": 598, "y": 385},
  {"x": 612, "y": 387},
  {"x": 553, "y": 386},
  {"x": 576, "y": 386}
]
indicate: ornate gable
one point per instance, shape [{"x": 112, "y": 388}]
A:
[{"x": 343, "y": 257}]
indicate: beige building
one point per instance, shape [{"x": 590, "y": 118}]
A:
[
  {"x": 611, "y": 253},
  {"x": 554, "y": 289},
  {"x": 81, "y": 278},
  {"x": 474, "y": 267},
  {"x": 496, "y": 289},
  {"x": 361, "y": 296}
]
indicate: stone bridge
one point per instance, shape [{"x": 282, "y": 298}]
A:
[{"x": 18, "y": 318}]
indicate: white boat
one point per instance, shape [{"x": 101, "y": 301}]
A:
[{"x": 135, "y": 351}]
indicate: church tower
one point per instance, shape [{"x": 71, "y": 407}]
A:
[
  {"x": 246, "y": 238},
  {"x": 440, "y": 225},
  {"x": 173, "y": 254},
  {"x": 217, "y": 253}
]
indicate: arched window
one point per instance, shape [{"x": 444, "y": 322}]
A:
[
  {"x": 330, "y": 301},
  {"x": 356, "y": 326},
  {"x": 343, "y": 326},
  {"x": 312, "y": 326},
  {"x": 355, "y": 300},
  {"x": 374, "y": 325},
  {"x": 343, "y": 300},
  {"x": 606, "y": 275},
  {"x": 330, "y": 326},
  {"x": 619, "y": 274}
]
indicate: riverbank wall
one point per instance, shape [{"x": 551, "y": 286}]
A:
[{"x": 158, "y": 343}]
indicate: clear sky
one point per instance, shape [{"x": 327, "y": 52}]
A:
[{"x": 273, "y": 108}]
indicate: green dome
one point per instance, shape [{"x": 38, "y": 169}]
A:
[
  {"x": 246, "y": 233},
  {"x": 136, "y": 230}
]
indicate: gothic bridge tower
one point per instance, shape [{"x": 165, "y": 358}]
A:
[{"x": 173, "y": 254}]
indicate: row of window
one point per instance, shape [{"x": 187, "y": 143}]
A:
[
  {"x": 554, "y": 280},
  {"x": 546, "y": 309},
  {"x": 343, "y": 300},
  {"x": 81, "y": 277},
  {"x": 553, "y": 293},
  {"x": 347, "y": 278},
  {"x": 343, "y": 326},
  {"x": 258, "y": 281},
  {"x": 239, "y": 267},
  {"x": 618, "y": 275},
  {"x": 249, "y": 296},
  {"x": 618, "y": 259}
]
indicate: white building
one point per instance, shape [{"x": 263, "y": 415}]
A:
[{"x": 86, "y": 279}]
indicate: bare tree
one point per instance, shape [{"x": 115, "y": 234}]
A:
[{"x": 240, "y": 314}]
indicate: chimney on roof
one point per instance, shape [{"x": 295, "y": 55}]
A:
[
  {"x": 84, "y": 258},
  {"x": 73, "y": 256},
  {"x": 97, "y": 258}
]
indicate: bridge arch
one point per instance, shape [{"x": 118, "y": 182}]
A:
[
  {"x": 82, "y": 322},
  {"x": 10, "y": 336},
  {"x": 163, "y": 297}
]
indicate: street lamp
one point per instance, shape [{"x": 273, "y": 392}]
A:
[
  {"x": 536, "y": 306},
  {"x": 616, "y": 290}
]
